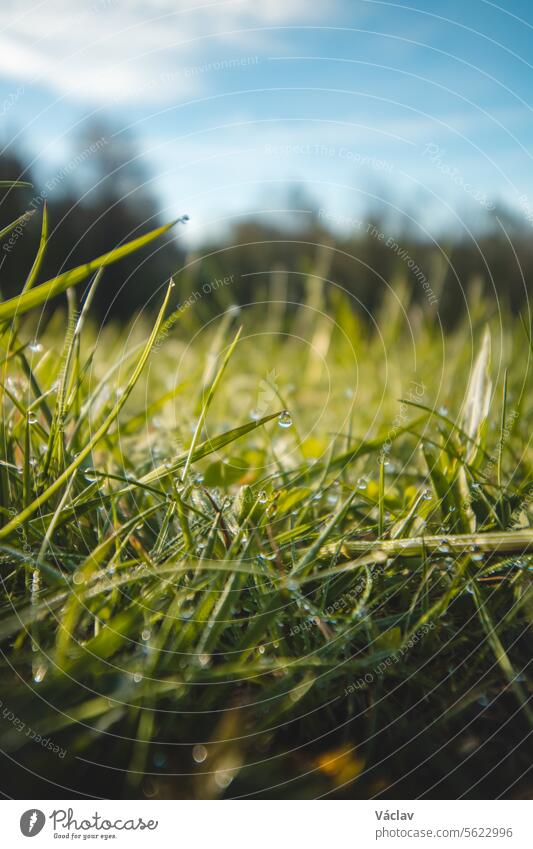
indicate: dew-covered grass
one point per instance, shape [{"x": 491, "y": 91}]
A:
[{"x": 273, "y": 551}]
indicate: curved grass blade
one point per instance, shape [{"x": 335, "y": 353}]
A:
[
  {"x": 25, "y": 217},
  {"x": 41, "y": 294},
  {"x": 34, "y": 271},
  {"x": 15, "y": 184}
]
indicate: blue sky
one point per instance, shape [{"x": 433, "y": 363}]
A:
[{"x": 424, "y": 106}]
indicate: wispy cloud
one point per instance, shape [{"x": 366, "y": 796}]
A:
[{"x": 108, "y": 49}]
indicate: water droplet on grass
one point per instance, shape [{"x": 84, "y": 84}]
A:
[
  {"x": 39, "y": 672},
  {"x": 262, "y": 497},
  {"x": 284, "y": 419},
  {"x": 35, "y": 346},
  {"x": 187, "y": 612},
  {"x": 199, "y": 754}
]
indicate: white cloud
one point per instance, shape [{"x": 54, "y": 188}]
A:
[{"x": 135, "y": 49}]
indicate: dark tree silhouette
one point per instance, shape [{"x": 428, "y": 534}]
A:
[{"x": 99, "y": 199}]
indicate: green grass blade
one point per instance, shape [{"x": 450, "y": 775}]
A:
[{"x": 41, "y": 294}]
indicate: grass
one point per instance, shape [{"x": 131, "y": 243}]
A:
[{"x": 272, "y": 553}]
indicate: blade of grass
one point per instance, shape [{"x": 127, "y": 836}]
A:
[
  {"x": 102, "y": 430},
  {"x": 41, "y": 294},
  {"x": 207, "y": 403}
]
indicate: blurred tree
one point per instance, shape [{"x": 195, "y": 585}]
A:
[
  {"x": 99, "y": 199},
  {"x": 102, "y": 197}
]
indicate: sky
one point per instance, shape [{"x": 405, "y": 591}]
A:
[{"x": 422, "y": 108}]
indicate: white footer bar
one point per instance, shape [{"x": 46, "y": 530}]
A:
[{"x": 268, "y": 824}]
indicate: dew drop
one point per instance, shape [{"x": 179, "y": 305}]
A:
[
  {"x": 262, "y": 497},
  {"x": 137, "y": 678},
  {"x": 284, "y": 419},
  {"x": 39, "y": 672},
  {"x": 35, "y": 346},
  {"x": 32, "y": 418},
  {"x": 362, "y": 483},
  {"x": 146, "y": 634},
  {"x": 199, "y": 754}
]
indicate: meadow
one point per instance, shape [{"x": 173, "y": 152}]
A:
[{"x": 274, "y": 550}]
